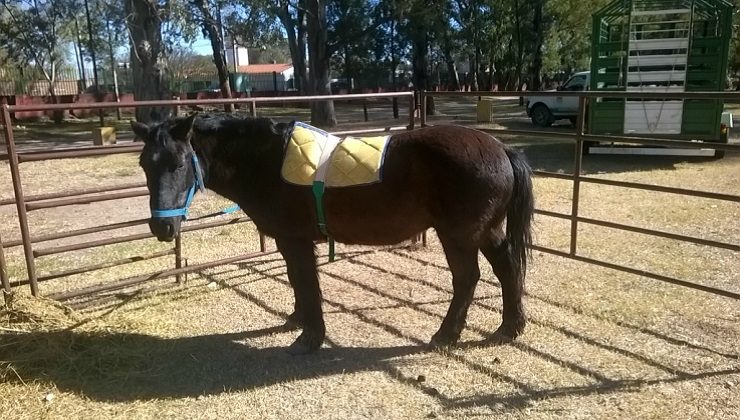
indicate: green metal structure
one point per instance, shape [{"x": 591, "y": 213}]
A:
[{"x": 660, "y": 46}]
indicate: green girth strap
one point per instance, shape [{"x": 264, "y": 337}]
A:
[{"x": 318, "y": 193}]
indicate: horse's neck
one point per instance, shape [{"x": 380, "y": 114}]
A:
[
  {"x": 206, "y": 149},
  {"x": 225, "y": 177}
]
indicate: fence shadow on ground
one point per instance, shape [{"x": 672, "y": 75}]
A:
[{"x": 125, "y": 366}]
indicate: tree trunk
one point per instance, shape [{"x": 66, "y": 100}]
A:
[
  {"x": 536, "y": 73},
  {"x": 394, "y": 55},
  {"x": 217, "y": 44},
  {"x": 519, "y": 46},
  {"x": 421, "y": 78},
  {"x": 348, "y": 69},
  {"x": 492, "y": 72},
  {"x": 58, "y": 116},
  {"x": 454, "y": 79},
  {"x": 322, "y": 112},
  {"x": 473, "y": 82},
  {"x": 478, "y": 75},
  {"x": 114, "y": 71},
  {"x": 453, "y": 82},
  {"x": 296, "y": 31},
  {"x": 148, "y": 61},
  {"x": 394, "y": 66},
  {"x": 82, "y": 57},
  {"x": 98, "y": 93}
]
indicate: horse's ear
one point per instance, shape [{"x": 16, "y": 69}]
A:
[
  {"x": 141, "y": 130},
  {"x": 182, "y": 127},
  {"x": 283, "y": 129}
]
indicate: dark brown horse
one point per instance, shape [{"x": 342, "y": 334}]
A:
[{"x": 474, "y": 191}]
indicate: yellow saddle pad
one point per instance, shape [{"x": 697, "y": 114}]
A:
[{"x": 314, "y": 155}]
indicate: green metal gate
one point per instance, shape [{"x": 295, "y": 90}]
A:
[{"x": 660, "y": 46}]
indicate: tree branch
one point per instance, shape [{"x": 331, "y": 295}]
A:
[{"x": 29, "y": 45}]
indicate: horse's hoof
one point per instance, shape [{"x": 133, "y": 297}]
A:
[
  {"x": 498, "y": 338},
  {"x": 294, "y": 322},
  {"x": 441, "y": 342},
  {"x": 304, "y": 344},
  {"x": 505, "y": 334}
]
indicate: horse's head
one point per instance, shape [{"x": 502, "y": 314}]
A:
[{"x": 172, "y": 171}]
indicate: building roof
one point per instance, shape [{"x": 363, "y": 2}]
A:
[{"x": 264, "y": 68}]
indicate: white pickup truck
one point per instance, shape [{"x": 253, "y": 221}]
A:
[{"x": 545, "y": 110}]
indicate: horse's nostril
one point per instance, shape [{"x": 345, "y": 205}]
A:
[{"x": 170, "y": 230}]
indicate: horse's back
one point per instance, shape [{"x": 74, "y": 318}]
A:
[{"x": 443, "y": 177}]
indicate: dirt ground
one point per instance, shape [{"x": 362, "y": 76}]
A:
[{"x": 600, "y": 343}]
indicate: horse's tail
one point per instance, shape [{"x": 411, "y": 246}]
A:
[{"x": 520, "y": 212}]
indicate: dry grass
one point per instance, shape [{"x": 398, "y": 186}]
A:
[{"x": 600, "y": 343}]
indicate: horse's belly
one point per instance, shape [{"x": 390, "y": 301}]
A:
[{"x": 372, "y": 215}]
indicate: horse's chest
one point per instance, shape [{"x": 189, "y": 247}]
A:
[{"x": 314, "y": 156}]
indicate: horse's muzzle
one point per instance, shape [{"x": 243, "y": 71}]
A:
[{"x": 165, "y": 228}]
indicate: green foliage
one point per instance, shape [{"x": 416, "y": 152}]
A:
[
  {"x": 366, "y": 39},
  {"x": 253, "y": 23},
  {"x": 569, "y": 40},
  {"x": 32, "y": 35}
]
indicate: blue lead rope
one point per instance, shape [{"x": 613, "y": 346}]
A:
[
  {"x": 231, "y": 209},
  {"x": 182, "y": 211},
  {"x": 197, "y": 184}
]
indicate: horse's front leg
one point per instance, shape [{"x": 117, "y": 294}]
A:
[
  {"x": 301, "y": 262},
  {"x": 295, "y": 319}
]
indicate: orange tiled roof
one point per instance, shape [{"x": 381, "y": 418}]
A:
[{"x": 264, "y": 68}]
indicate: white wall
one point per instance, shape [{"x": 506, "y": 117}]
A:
[{"x": 242, "y": 55}]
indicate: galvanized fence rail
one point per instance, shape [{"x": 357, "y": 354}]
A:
[
  {"x": 25, "y": 204},
  {"x": 579, "y": 137}
]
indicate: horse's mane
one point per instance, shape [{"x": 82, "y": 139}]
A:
[{"x": 229, "y": 127}]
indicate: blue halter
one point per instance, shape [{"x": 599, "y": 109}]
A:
[{"x": 197, "y": 184}]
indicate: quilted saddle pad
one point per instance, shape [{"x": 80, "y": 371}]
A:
[{"x": 313, "y": 155}]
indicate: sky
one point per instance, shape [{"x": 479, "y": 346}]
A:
[{"x": 202, "y": 46}]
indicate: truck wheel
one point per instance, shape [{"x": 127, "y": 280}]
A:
[{"x": 541, "y": 116}]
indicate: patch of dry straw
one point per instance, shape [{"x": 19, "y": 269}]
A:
[{"x": 43, "y": 338}]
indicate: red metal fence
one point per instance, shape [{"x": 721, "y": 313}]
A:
[{"x": 28, "y": 203}]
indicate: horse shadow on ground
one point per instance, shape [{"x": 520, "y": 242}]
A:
[{"x": 130, "y": 366}]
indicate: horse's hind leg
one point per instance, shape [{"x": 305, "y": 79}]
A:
[
  {"x": 463, "y": 262},
  {"x": 510, "y": 275},
  {"x": 301, "y": 262}
]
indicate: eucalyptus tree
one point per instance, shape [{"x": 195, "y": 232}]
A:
[
  {"x": 154, "y": 27},
  {"x": 31, "y": 33},
  {"x": 209, "y": 19}
]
